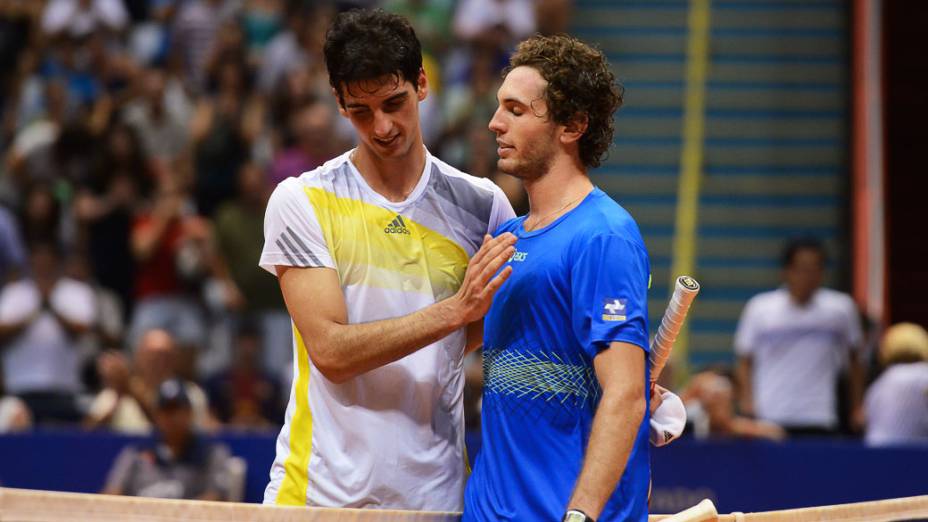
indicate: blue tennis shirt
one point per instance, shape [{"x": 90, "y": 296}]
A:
[{"x": 576, "y": 285}]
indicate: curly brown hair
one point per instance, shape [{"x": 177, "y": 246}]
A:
[{"x": 580, "y": 85}]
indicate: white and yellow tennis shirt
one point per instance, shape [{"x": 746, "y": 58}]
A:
[{"x": 392, "y": 437}]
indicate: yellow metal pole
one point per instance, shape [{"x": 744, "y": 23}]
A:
[{"x": 691, "y": 164}]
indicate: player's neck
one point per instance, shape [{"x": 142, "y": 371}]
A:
[
  {"x": 556, "y": 192},
  {"x": 393, "y": 178}
]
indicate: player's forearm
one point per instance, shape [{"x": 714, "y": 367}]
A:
[
  {"x": 344, "y": 351},
  {"x": 615, "y": 427}
]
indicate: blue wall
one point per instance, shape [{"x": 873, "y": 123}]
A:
[
  {"x": 762, "y": 476},
  {"x": 79, "y": 461},
  {"x": 736, "y": 475}
]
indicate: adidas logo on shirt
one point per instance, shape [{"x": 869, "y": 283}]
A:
[{"x": 397, "y": 226}]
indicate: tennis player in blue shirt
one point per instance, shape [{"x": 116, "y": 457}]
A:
[{"x": 565, "y": 401}]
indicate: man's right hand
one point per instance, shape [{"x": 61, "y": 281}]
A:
[{"x": 476, "y": 293}]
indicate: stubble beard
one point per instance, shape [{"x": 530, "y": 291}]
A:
[{"x": 536, "y": 162}]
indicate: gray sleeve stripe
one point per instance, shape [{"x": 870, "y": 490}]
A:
[
  {"x": 303, "y": 246},
  {"x": 283, "y": 249},
  {"x": 294, "y": 251}
]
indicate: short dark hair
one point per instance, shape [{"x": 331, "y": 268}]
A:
[
  {"x": 795, "y": 245},
  {"x": 580, "y": 83},
  {"x": 366, "y": 44}
]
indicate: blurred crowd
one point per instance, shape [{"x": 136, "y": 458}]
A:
[{"x": 140, "y": 140}]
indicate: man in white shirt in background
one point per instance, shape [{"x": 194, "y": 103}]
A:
[
  {"x": 41, "y": 319},
  {"x": 792, "y": 344}
]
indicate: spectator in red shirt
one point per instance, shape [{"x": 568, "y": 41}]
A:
[{"x": 169, "y": 242}]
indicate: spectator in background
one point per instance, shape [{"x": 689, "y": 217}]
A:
[
  {"x": 468, "y": 108},
  {"x": 119, "y": 406},
  {"x": 239, "y": 232},
  {"x": 298, "y": 88},
  {"x": 26, "y": 94},
  {"x": 70, "y": 158},
  {"x": 159, "y": 115},
  {"x": 897, "y": 403},
  {"x": 127, "y": 402},
  {"x": 553, "y": 16},
  {"x": 431, "y": 20},
  {"x": 496, "y": 23},
  {"x": 709, "y": 401},
  {"x": 41, "y": 319},
  {"x": 18, "y": 28},
  {"x": 299, "y": 46},
  {"x": 29, "y": 157},
  {"x": 157, "y": 359},
  {"x": 245, "y": 395},
  {"x": 196, "y": 29},
  {"x": 312, "y": 142},
  {"x": 41, "y": 215},
  {"x": 261, "y": 21},
  {"x": 111, "y": 318},
  {"x": 70, "y": 61},
  {"x": 178, "y": 463},
  {"x": 284, "y": 52},
  {"x": 149, "y": 40},
  {"x": 229, "y": 46},
  {"x": 222, "y": 130},
  {"x": 115, "y": 70},
  {"x": 793, "y": 342},
  {"x": 81, "y": 18},
  {"x": 105, "y": 206},
  {"x": 169, "y": 243}
]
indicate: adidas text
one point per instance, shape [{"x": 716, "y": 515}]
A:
[{"x": 397, "y": 226}]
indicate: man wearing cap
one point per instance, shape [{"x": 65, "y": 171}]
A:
[
  {"x": 896, "y": 405},
  {"x": 177, "y": 463}
]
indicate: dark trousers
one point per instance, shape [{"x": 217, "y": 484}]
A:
[
  {"x": 53, "y": 407},
  {"x": 811, "y": 431}
]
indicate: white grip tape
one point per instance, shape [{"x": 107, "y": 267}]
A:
[{"x": 684, "y": 292}]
